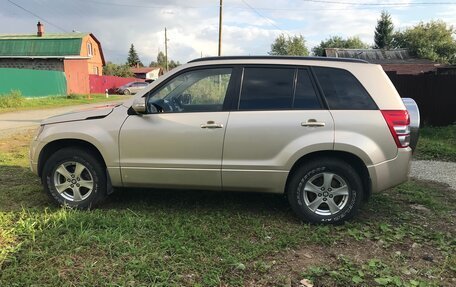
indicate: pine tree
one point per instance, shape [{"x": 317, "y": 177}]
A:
[
  {"x": 133, "y": 58},
  {"x": 384, "y": 32}
]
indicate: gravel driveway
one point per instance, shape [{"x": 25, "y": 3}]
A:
[{"x": 439, "y": 171}]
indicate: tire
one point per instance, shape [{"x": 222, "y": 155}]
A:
[
  {"x": 75, "y": 178},
  {"x": 325, "y": 190},
  {"x": 127, "y": 92}
]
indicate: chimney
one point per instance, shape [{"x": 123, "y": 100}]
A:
[{"x": 40, "y": 31}]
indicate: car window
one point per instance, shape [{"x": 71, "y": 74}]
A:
[
  {"x": 194, "y": 91},
  {"x": 342, "y": 90},
  {"x": 305, "y": 96},
  {"x": 267, "y": 89}
]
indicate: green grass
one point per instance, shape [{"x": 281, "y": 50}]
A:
[
  {"x": 437, "y": 143},
  {"x": 186, "y": 238},
  {"x": 14, "y": 101}
]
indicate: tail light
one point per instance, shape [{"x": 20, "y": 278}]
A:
[{"x": 399, "y": 124}]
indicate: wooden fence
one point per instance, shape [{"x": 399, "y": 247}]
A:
[{"x": 435, "y": 95}]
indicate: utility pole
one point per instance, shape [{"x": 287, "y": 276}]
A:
[
  {"x": 166, "y": 51},
  {"x": 220, "y": 29}
]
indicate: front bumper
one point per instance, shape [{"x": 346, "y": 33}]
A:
[
  {"x": 392, "y": 172},
  {"x": 35, "y": 148}
]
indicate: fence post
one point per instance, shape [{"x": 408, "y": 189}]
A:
[{"x": 106, "y": 92}]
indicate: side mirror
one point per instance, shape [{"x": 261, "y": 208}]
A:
[{"x": 139, "y": 105}]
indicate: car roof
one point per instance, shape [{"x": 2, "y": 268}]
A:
[{"x": 326, "y": 59}]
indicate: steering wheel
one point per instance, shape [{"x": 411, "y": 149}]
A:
[{"x": 161, "y": 106}]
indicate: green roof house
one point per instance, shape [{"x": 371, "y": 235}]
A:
[{"x": 78, "y": 55}]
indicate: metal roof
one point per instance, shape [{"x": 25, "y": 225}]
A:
[
  {"x": 278, "y": 58},
  {"x": 377, "y": 56},
  {"x": 68, "y": 44}
]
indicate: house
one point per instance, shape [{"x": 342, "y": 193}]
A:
[
  {"x": 397, "y": 61},
  {"x": 151, "y": 73},
  {"x": 78, "y": 55}
]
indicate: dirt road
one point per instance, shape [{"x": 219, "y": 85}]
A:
[{"x": 11, "y": 122}]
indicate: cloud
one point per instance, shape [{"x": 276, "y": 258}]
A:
[{"x": 193, "y": 24}]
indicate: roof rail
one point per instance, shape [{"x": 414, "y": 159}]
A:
[{"x": 315, "y": 58}]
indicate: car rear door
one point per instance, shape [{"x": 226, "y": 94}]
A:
[{"x": 279, "y": 116}]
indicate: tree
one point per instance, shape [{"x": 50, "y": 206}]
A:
[
  {"x": 133, "y": 58},
  {"x": 161, "y": 62},
  {"x": 339, "y": 42},
  {"x": 384, "y": 32},
  {"x": 111, "y": 69},
  {"x": 433, "y": 41},
  {"x": 289, "y": 45}
]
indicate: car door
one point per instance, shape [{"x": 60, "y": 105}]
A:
[
  {"x": 179, "y": 142},
  {"x": 134, "y": 88},
  {"x": 279, "y": 118}
]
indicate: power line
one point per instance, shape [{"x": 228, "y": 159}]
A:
[
  {"x": 143, "y": 6},
  {"x": 38, "y": 16},
  {"x": 386, "y": 4},
  {"x": 263, "y": 16},
  {"x": 379, "y": 4}
]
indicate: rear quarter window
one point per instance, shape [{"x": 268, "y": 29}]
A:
[{"x": 342, "y": 90}]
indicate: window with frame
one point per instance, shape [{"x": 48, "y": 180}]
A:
[
  {"x": 305, "y": 97},
  {"x": 342, "y": 90},
  {"x": 89, "y": 49},
  {"x": 265, "y": 88},
  {"x": 202, "y": 90}
]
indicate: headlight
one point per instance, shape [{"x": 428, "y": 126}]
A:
[{"x": 38, "y": 133}]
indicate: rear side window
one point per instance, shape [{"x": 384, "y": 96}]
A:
[
  {"x": 305, "y": 95},
  {"x": 267, "y": 89},
  {"x": 342, "y": 90}
]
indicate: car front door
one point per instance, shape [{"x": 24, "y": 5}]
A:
[{"x": 179, "y": 142}]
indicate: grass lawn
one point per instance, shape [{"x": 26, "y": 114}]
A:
[
  {"x": 404, "y": 237},
  {"x": 437, "y": 143},
  {"x": 15, "y": 102}
]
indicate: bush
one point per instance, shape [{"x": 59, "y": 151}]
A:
[{"x": 13, "y": 99}]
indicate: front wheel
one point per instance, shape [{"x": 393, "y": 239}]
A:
[
  {"x": 325, "y": 190},
  {"x": 75, "y": 178}
]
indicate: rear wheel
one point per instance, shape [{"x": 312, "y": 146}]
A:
[
  {"x": 75, "y": 178},
  {"x": 325, "y": 190}
]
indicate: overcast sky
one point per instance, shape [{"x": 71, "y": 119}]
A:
[{"x": 249, "y": 26}]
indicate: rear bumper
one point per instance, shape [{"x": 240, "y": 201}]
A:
[{"x": 392, "y": 172}]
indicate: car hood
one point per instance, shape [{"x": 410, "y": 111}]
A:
[{"x": 88, "y": 114}]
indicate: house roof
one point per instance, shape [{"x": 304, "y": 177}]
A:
[
  {"x": 48, "y": 45},
  {"x": 378, "y": 56},
  {"x": 143, "y": 70}
]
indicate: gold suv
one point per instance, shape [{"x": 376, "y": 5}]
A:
[{"x": 325, "y": 132}]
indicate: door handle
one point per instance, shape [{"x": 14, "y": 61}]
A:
[
  {"x": 312, "y": 123},
  {"x": 211, "y": 125}
]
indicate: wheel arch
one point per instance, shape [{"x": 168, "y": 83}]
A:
[
  {"x": 356, "y": 162},
  {"x": 56, "y": 145}
]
